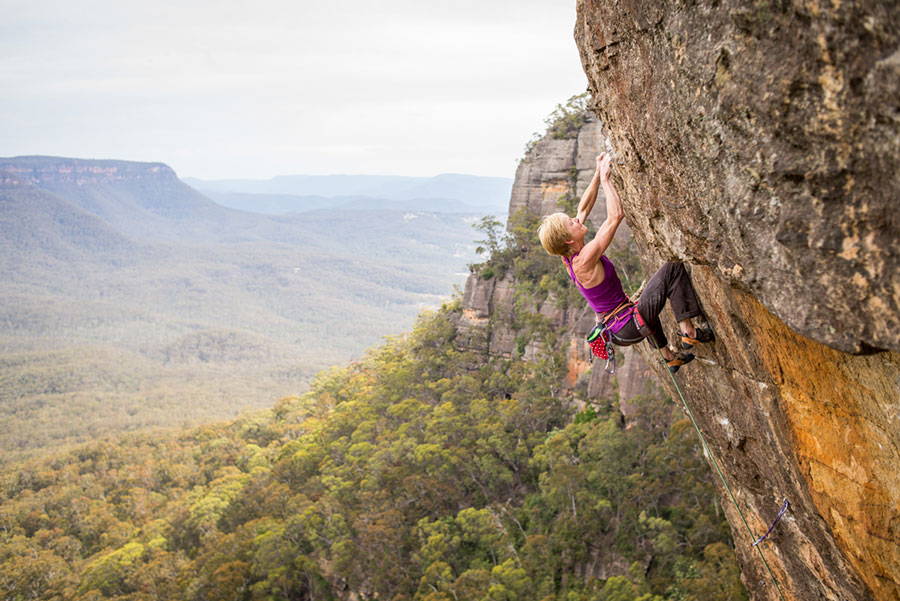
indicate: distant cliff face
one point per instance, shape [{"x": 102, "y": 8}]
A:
[
  {"x": 43, "y": 171},
  {"x": 141, "y": 200},
  {"x": 553, "y": 169},
  {"x": 762, "y": 146}
]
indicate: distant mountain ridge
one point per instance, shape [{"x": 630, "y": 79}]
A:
[
  {"x": 199, "y": 301},
  {"x": 284, "y": 204},
  {"x": 142, "y": 201},
  {"x": 139, "y": 200},
  {"x": 448, "y": 192},
  {"x": 44, "y": 170}
]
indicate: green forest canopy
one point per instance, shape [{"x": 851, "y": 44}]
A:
[{"x": 421, "y": 472}]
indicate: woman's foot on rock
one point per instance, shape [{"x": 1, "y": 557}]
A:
[
  {"x": 701, "y": 336},
  {"x": 679, "y": 360}
]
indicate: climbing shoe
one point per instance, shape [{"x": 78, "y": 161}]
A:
[
  {"x": 702, "y": 335},
  {"x": 679, "y": 360}
]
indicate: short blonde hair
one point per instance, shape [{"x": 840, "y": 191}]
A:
[{"x": 554, "y": 235}]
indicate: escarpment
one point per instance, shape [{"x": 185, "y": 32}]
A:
[
  {"x": 45, "y": 170},
  {"x": 110, "y": 188},
  {"x": 761, "y": 145}
]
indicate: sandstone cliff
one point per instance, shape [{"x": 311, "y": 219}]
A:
[
  {"x": 762, "y": 147},
  {"x": 45, "y": 170}
]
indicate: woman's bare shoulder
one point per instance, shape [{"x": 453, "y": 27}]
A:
[{"x": 590, "y": 272}]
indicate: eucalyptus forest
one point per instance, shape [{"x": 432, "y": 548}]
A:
[{"x": 423, "y": 471}]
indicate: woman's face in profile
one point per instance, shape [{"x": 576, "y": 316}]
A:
[{"x": 575, "y": 228}]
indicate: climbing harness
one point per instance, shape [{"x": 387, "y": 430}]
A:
[
  {"x": 784, "y": 507},
  {"x": 712, "y": 459},
  {"x": 601, "y": 339}
]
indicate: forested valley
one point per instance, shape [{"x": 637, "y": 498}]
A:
[
  {"x": 130, "y": 301},
  {"x": 420, "y": 472}
]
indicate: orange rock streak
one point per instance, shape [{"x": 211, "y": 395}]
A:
[{"x": 843, "y": 412}]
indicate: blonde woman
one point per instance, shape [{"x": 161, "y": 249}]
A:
[{"x": 623, "y": 322}]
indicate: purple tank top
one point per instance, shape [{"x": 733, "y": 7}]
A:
[{"x": 605, "y": 296}]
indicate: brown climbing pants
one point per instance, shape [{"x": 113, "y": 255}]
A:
[{"x": 671, "y": 282}]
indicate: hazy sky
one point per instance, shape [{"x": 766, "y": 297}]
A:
[{"x": 222, "y": 88}]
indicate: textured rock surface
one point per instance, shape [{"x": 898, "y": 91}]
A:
[
  {"x": 763, "y": 140},
  {"x": 762, "y": 146}
]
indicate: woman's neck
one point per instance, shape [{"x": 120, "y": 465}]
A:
[{"x": 576, "y": 248}]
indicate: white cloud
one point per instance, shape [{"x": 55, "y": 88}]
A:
[{"x": 246, "y": 89}]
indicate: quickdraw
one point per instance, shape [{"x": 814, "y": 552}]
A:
[{"x": 784, "y": 507}]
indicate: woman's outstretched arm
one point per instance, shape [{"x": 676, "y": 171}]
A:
[
  {"x": 590, "y": 194},
  {"x": 614, "y": 210},
  {"x": 614, "y": 214}
]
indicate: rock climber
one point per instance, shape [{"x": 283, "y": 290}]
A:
[{"x": 623, "y": 322}]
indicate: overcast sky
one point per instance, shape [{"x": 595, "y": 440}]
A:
[{"x": 223, "y": 88}]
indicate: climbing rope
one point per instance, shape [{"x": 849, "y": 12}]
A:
[{"x": 712, "y": 459}]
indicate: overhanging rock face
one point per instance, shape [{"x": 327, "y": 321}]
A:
[
  {"x": 761, "y": 144},
  {"x": 764, "y": 142}
]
